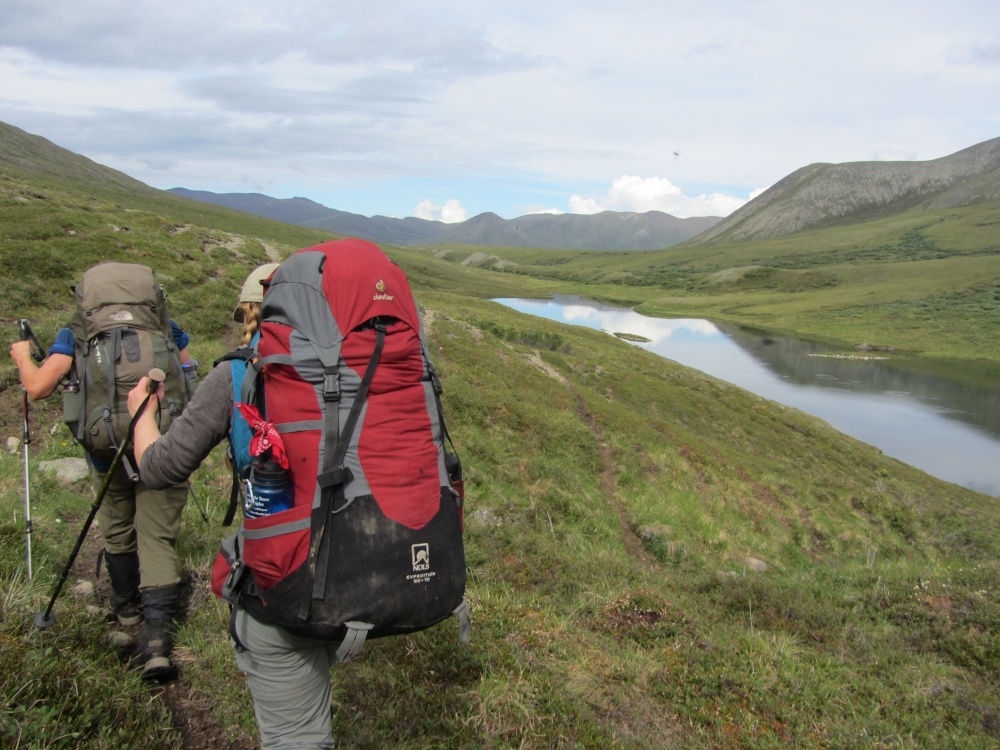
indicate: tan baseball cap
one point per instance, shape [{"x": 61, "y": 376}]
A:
[{"x": 253, "y": 287}]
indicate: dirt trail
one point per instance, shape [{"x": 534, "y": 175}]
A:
[
  {"x": 609, "y": 487},
  {"x": 191, "y": 713}
]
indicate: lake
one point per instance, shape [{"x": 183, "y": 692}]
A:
[{"x": 945, "y": 426}]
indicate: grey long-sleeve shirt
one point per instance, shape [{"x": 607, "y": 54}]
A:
[{"x": 204, "y": 424}]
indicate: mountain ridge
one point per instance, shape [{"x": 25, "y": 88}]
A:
[
  {"x": 608, "y": 230},
  {"x": 822, "y": 195}
]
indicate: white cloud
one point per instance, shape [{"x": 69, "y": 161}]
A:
[
  {"x": 427, "y": 211},
  {"x": 581, "y": 205},
  {"x": 641, "y": 194},
  {"x": 451, "y": 212},
  {"x": 895, "y": 155},
  {"x": 976, "y": 53}
]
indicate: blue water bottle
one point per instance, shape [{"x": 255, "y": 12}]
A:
[{"x": 269, "y": 490}]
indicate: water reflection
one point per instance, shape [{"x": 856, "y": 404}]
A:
[
  {"x": 943, "y": 425},
  {"x": 806, "y": 363}
]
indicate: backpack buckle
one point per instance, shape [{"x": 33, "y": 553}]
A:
[
  {"x": 331, "y": 386},
  {"x": 233, "y": 580},
  {"x": 335, "y": 476}
]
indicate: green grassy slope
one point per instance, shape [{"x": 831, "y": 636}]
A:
[{"x": 657, "y": 559}]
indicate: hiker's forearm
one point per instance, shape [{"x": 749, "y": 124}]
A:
[
  {"x": 39, "y": 381},
  {"x": 171, "y": 458}
]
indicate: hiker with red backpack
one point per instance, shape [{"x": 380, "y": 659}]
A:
[
  {"x": 120, "y": 329},
  {"x": 352, "y": 526}
]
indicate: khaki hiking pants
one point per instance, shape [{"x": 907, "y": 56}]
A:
[{"x": 135, "y": 518}]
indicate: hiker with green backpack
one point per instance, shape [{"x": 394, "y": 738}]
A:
[
  {"x": 351, "y": 505},
  {"x": 120, "y": 331}
]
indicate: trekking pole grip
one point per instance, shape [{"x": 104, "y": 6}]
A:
[
  {"x": 156, "y": 376},
  {"x": 25, "y": 333}
]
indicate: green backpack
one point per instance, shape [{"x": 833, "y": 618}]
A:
[{"x": 122, "y": 330}]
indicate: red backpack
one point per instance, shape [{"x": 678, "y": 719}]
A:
[{"x": 372, "y": 545}]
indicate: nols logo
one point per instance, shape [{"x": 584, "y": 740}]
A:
[{"x": 420, "y": 555}]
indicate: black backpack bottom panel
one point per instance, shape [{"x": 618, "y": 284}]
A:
[{"x": 398, "y": 579}]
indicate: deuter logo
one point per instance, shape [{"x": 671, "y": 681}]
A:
[
  {"x": 121, "y": 316},
  {"x": 421, "y": 556},
  {"x": 380, "y": 289}
]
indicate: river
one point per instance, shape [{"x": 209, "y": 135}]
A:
[{"x": 946, "y": 426}]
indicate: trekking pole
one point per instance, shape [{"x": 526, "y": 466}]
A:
[
  {"x": 25, "y": 333},
  {"x": 45, "y": 619}
]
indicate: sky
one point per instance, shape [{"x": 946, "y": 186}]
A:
[{"x": 446, "y": 109}]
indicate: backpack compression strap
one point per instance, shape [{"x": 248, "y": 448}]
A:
[
  {"x": 335, "y": 474},
  {"x": 86, "y": 381}
]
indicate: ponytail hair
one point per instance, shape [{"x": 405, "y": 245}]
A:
[{"x": 251, "y": 321}]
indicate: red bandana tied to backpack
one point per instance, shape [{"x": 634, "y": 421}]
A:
[{"x": 265, "y": 435}]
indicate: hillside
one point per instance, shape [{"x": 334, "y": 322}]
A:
[
  {"x": 608, "y": 230},
  {"x": 827, "y": 195},
  {"x": 38, "y": 155}
]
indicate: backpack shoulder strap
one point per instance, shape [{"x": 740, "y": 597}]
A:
[
  {"x": 239, "y": 361},
  {"x": 243, "y": 354}
]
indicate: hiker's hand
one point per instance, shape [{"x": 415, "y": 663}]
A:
[
  {"x": 20, "y": 351},
  {"x": 138, "y": 394},
  {"x": 145, "y": 430}
]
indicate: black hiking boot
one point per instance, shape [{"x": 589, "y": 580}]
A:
[
  {"x": 123, "y": 569},
  {"x": 156, "y": 637}
]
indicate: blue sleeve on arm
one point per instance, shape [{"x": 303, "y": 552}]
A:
[
  {"x": 181, "y": 339},
  {"x": 65, "y": 343}
]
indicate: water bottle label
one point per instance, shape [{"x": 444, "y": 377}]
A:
[
  {"x": 265, "y": 501},
  {"x": 252, "y": 505}
]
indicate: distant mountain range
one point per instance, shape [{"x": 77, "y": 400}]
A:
[
  {"x": 814, "y": 197},
  {"x": 608, "y": 230}
]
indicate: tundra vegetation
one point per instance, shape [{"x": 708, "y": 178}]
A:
[{"x": 656, "y": 558}]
